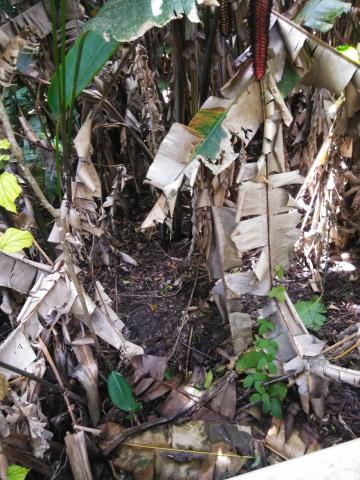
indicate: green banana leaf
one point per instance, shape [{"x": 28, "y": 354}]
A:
[
  {"x": 95, "y": 53},
  {"x": 321, "y": 14},
  {"x": 127, "y": 20}
]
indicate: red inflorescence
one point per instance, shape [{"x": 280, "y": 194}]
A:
[{"x": 259, "y": 34}]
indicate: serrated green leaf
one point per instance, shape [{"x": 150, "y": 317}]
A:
[
  {"x": 279, "y": 270},
  {"x": 261, "y": 376},
  {"x": 249, "y": 381},
  {"x": 14, "y": 240},
  {"x": 248, "y": 360},
  {"x": 262, "y": 363},
  {"x": 259, "y": 387},
  {"x": 255, "y": 397},
  {"x": 272, "y": 368},
  {"x": 208, "y": 379},
  {"x": 265, "y": 398},
  {"x": 311, "y": 313},
  {"x": 275, "y": 408},
  {"x": 262, "y": 343},
  {"x": 120, "y": 393},
  {"x": 16, "y": 472},
  {"x": 321, "y": 14},
  {"x": 278, "y": 293},
  {"x": 9, "y": 191}
]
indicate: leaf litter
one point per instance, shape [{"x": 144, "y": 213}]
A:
[{"x": 159, "y": 395}]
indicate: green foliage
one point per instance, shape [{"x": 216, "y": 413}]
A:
[
  {"x": 9, "y": 191},
  {"x": 349, "y": 52},
  {"x": 208, "y": 379},
  {"x": 127, "y": 20},
  {"x": 259, "y": 365},
  {"x": 265, "y": 325},
  {"x": 14, "y": 240},
  {"x": 312, "y": 313},
  {"x": 322, "y": 14},
  {"x": 94, "y": 51},
  {"x": 279, "y": 271},
  {"x": 278, "y": 292},
  {"x": 4, "y": 144},
  {"x": 121, "y": 393},
  {"x": 16, "y": 472}
]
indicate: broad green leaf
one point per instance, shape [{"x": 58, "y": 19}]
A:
[
  {"x": 321, "y": 14},
  {"x": 9, "y": 191},
  {"x": 14, "y": 240},
  {"x": 16, "y": 472},
  {"x": 312, "y": 313},
  {"x": 208, "y": 379},
  {"x": 4, "y": 144},
  {"x": 95, "y": 52},
  {"x": 349, "y": 52},
  {"x": 127, "y": 20},
  {"x": 289, "y": 80},
  {"x": 121, "y": 393}
]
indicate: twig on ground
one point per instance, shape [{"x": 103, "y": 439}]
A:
[{"x": 185, "y": 316}]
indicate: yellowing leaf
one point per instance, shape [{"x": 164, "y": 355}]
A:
[
  {"x": 4, "y": 144},
  {"x": 4, "y": 387},
  {"x": 16, "y": 472},
  {"x": 14, "y": 240},
  {"x": 9, "y": 191}
]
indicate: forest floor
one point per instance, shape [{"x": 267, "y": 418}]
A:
[{"x": 165, "y": 303}]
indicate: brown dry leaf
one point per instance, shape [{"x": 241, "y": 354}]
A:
[
  {"x": 77, "y": 454},
  {"x": 87, "y": 374},
  {"x": 191, "y": 450},
  {"x": 86, "y": 172},
  {"x": 225, "y": 402},
  {"x": 17, "y": 351},
  {"x": 34, "y": 18},
  {"x": 19, "y": 273},
  {"x": 292, "y": 448},
  {"x": 149, "y": 365},
  {"x": 9, "y": 58},
  {"x": 4, "y": 386}
]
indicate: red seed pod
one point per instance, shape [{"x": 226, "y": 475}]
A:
[
  {"x": 225, "y": 17},
  {"x": 259, "y": 34}
]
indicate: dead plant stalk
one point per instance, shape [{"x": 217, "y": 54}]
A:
[{"x": 55, "y": 213}]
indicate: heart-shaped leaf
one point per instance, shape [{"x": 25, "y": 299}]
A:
[
  {"x": 9, "y": 191},
  {"x": 16, "y": 472},
  {"x": 312, "y": 313},
  {"x": 14, "y": 240}
]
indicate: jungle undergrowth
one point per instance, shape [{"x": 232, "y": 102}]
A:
[{"x": 258, "y": 361}]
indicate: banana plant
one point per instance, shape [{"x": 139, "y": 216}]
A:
[{"x": 263, "y": 221}]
